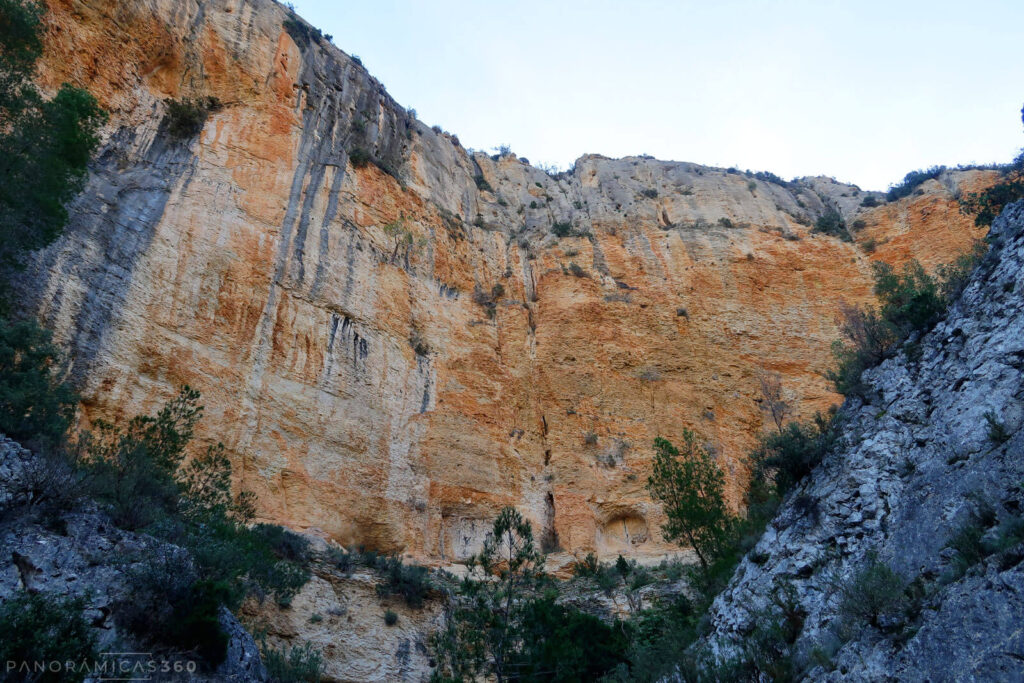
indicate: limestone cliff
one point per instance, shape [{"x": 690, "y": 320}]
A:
[{"x": 389, "y": 336}]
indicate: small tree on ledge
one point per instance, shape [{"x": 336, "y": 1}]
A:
[{"x": 691, "y": 489}]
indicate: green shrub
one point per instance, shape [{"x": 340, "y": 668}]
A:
[
  {"x": 586, "y": 567},
  {"x": 410, "y": 581},
  {"x": 953, "y": 277},
  {"x": 561, "y": 643},
  {"x": 831, "y": 223},
  {"x": 482, "y": 184},
  {"x": 576, "y": 270},
  {"x": 874, "y": 596},
  {"x": 869, "y": 201},
  {"x": 286, "y": 544},
  {"x": 137, "y": 473},
  {"x": 390, "y": 617},
  {"x": 650, "y": 193},
  {"x": 341, "y": 559},
  {"x": 787, "y": 456},
  {"x": 485, "y": 300},
  {"x": 989, "y": 203},
  {"x": 134, "y": 468},
  {"x": 301, "y": 33},
  {"x": 911, "y": 298},
  {"x": 911, "y": 181},
  {"x": 997, "y": 432},
  {"x": 297, "y": 664},
  {"x": 360, "y": 158},
  {"x": 185, "y": 118},
  {"x": 35, "y": 407},
  {"x": 561, "y": 229},
  {"x": 485, "y": 627},
  {"x": 911, "y": 301},
  {"x": 38, "y": 627}
]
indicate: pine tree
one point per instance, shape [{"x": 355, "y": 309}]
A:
[{"x": 691, "y": 488}]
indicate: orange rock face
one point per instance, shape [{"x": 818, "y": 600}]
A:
[{"x": 391, "y": 351}]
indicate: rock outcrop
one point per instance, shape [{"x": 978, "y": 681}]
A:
[
  {"x": 80, "y": 553},
  {"x": 390, "y": 337},
  {"x": 936, "y": 448}
]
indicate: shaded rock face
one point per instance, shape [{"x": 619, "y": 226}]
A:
[
  {"x": 915, "y": 461},
  {"x": 86, "y": 556},
  {"x": 325, "y": 269}
]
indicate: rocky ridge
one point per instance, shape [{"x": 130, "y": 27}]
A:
[{"x": 919, "y": 460}]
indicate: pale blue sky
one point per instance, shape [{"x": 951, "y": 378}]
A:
[{"x": 863, "y": 91}]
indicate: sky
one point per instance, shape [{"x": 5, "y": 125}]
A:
[{"x": 861, "y": 91}]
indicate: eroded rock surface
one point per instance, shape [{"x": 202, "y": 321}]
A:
[
  {"x": 916, "y": 460},
  {"x": 389, "y": 337}
]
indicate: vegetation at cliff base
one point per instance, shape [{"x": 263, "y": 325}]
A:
[
  {"x": 690, "y": 487},
  {"x": 505, "y": 621},
  {"x": 36, "y": 628}
]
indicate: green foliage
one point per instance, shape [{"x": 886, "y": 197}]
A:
[
  {"x": 911, "y": 181},
  {"x": 297, "y": 664},
  {"x": 360, "y": 158},
  {"x": 506, "y": 622},
  {"x": 560, "y": 228},
  {"x": 911, "y": 301},
  {"x": 185, "y": 118},
  {"x": 997, "y": 432},
  {"x": 588, "y": 566},
  {"x": 576, "y": 270},
  {"x": 35, "y": 407},
  {"x": 650, "y": 193},
  {"x": 974, "y": 542},
  {"x": 37, "y": 627},
  {"x": 44, "y": 144},
  {"x": 910, "y": 298},
  {"x": 411, "y": 581},
  {"x": 953, "y": 277},
  {"x": 286, "y": 544},
  {"x": 482, "y": 184},
  {"x": 831, "y": 223},
  {"x": 169, "y": 605},
  {"x": 134, "y": 468},
  {"x": 874, "y": 596},
  {"x": 690, "y": 487},
  {"x": 390, "y": 617},
  {"x": 869, "y": 201},
  {"x": 788, "y": 455},
  {"x": 989, "y": 203},
  {"x": 484, "y": 629},
  {"x": 143, "y": 475},
  {"x": 302, "y": 33},
  {"x": 560, "y": 643}
]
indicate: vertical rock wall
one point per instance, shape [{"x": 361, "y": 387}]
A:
[{"x": 325, "y": 269}]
